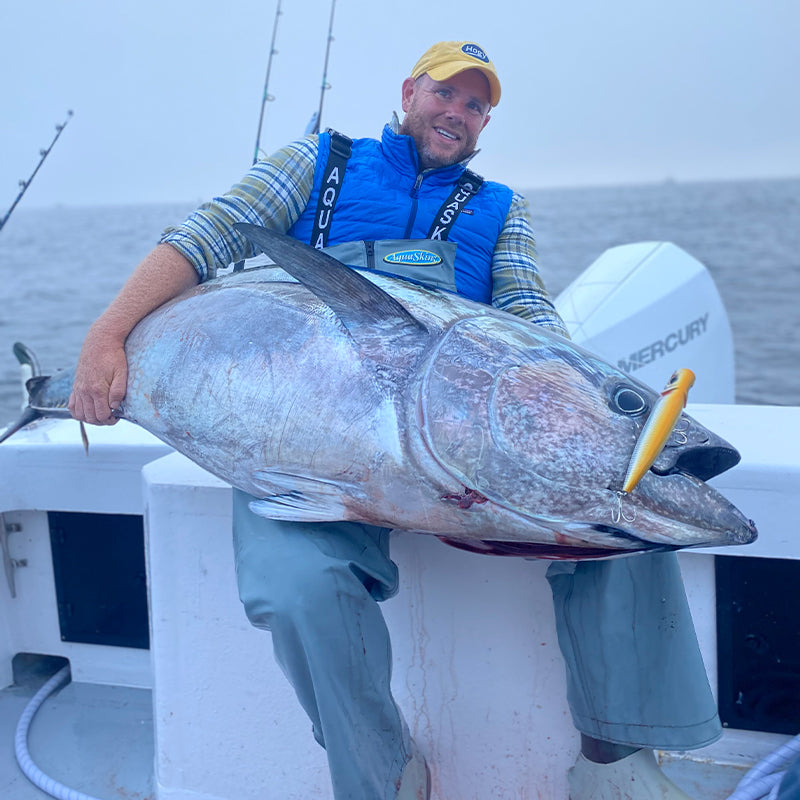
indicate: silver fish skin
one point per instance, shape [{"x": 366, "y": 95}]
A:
[{"x": 337, "y": 394}]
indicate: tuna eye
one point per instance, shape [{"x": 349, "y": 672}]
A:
[{"x": 629, "y": 401}]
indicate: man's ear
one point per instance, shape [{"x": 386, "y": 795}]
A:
[
  {"x": 409, "y": 87},
  {"x": 486, "y": 121}
]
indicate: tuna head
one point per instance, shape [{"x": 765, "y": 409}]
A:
[{"x": 535, "y": 425}]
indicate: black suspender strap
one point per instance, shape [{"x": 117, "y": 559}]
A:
[
  {"x": 331, "y": 186},
  {"x": 468, "y": 185}
]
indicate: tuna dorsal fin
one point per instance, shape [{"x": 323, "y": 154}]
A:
[{"x": 355, "y": 300}]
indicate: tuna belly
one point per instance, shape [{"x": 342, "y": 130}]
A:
[{"x": 244, "y": 395}]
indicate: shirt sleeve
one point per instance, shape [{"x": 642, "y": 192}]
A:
[
  {"x": 517, "y": 286},
  {"x": 273, "y": 194}
]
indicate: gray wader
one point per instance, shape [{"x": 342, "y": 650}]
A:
[{"x": 634, "y": 670}]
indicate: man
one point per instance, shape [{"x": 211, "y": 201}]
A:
[{"x": 635, "y": 678}]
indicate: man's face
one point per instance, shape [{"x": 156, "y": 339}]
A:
[{"x": 445, "y": 117}]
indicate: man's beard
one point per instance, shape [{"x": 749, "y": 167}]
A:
[{"x": 428, "y": 157}]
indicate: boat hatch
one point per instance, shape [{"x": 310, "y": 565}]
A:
[{"x": 101, "y": 585}]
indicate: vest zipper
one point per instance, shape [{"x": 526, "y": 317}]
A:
[
  {"x": 370, "y": 253},
  {"x": 413, "y": 214}
]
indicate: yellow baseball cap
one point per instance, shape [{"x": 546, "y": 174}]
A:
[{"x": 445, "y": 59}]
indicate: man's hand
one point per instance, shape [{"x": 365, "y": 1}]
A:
[
  {"x": 101, "y": 376},
  {"x": 100, "y": 380}
]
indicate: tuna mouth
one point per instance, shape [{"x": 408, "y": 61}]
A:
[
  {"x": 701, "y": 462},
  {"x": 621, "y": 535}
]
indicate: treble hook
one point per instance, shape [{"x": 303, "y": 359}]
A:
[
  {"x": 618, "y": 513},
  {"x": 681, "y": 432}
]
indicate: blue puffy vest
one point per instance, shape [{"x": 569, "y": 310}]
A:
[{"x": 383, "y": 196}]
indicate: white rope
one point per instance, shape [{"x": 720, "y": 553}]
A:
[
  {"x": 763, "y": 780},
  {"x": 32, "y": 772}
]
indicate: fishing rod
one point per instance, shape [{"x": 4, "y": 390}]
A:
[
  {"x": 325, "y": 84},
  {"x": 267, "y": 96},
  {"x": 43, "y": 153}
]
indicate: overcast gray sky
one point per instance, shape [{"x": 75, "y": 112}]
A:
[{"x": 167, "y": 94}]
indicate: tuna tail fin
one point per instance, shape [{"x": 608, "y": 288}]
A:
[
  {"x": 27, "y": 358},
  {"x": 47, "y": 397},
  {"x": 30, "y": 366},
  {"x": 28, "y": 415}
]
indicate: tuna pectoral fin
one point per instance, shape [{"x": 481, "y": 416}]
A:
[
  {"x": 355, "y": 300},
  {"x": 296, "y": 498}
]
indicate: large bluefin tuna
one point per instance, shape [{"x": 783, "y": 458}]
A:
[{"x": 336, "y": 394}]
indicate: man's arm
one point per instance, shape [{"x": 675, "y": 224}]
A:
[
  {"x": 274, "y": 193},
  {"x": 517, "y": 286},
  {"x": 102, "y": 372}
]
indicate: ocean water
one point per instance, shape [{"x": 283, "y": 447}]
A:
[{"x": 60, "y": 267}]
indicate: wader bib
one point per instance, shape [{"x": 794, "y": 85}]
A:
[
  {"x": 427, "y": 261},
  {"x": 430, "y": 261}
]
